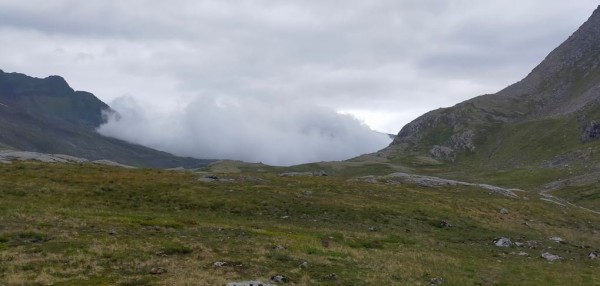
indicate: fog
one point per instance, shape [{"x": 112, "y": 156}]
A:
[{"x": 264, "y": 130}]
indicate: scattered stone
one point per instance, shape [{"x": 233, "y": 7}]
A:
[
  {"x": 220, "y": 264},
  {"x": 112, "y": 164},
  {"x": 372, "y": 229},
  {"x": 436, "y": 281},
  {"x": 556, "y": 239},
  {"x": 280, "y": 279},
  {"x": 320, "y": 173},
  {"x": 519, "y": 244},
  {"x": 303, "y": 265},
  {"x": 307, "y": 192},
  {"x": 112, "y": 231},
  {"x": 550, "y": 257},
  {"x": 503, "y": 211},
  {"x": 207, "y": 180},
  {"x": 594, "y": 255},
  {"x": 249, "y": 283},
  {"x": 157, "y": 271},
  {"x": 331, "y": 277},
  {"x": 429, "y": 181},
  {"x": 503, "y": 242},
  {"x": 522, "y": 253},
  {"x": 445, "y": 224}
]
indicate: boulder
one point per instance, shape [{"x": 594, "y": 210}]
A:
[
  {"x": 503, "y": 242},
  {"x": 249, "y": 283},
  {"x": 556, "y": 239},
  {"x": 280, "y": 279},
  {"x": 550, "y": 257}
]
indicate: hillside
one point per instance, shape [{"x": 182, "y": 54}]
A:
[
  {"x": 550, "y": 119},
  {"x": 48, "y": 116},
  {"x": 61, "y": 224}
]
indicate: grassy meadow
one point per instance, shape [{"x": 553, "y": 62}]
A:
[{"x": 68, "y": 224}]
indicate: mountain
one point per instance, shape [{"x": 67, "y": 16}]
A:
[
  {"x": 550, "y": 119},
  {"x": 47, "y": 115}
]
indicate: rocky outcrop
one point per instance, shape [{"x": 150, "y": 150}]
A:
[
  {"x": 249, "y": 283},
  {"x": 429, "y": 181},
  {"x": 442, "y": 153},
  {"x": 591, "y": 131},
  {"x": 7, "y": 156}
]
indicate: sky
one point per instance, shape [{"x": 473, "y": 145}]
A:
[{"x": 282, "y": 82}]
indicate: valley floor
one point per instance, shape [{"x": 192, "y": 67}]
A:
[{"x": 69, "y": 224}]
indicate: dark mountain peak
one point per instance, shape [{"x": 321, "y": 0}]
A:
[
  {"x": 50, "y": 98},
  {"x": 46, "y": 115}
]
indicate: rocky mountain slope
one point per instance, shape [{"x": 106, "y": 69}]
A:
[
  {"x": 48, "y": 116},
  {"x": 551, "y": 118}
]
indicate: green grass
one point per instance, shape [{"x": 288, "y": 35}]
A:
[{"x": 93, "y": 225}]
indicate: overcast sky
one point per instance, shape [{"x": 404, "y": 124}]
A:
[{"x": 384, "y": 62}]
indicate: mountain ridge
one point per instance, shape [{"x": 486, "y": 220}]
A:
[
  {"x": 46, "y": 115},
  {"x": 561, "y": 93}
]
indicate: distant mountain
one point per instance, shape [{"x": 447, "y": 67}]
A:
[
  {"x": 551, "y": 118},
  {"x": 47, "y": 115}
]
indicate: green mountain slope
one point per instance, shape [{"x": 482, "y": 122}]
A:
[
  {"x": 550, "y": 119},
  {"x": 48, "y": 116}
]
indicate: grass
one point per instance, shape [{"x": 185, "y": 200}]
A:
[{"x": 94, "y": 225}]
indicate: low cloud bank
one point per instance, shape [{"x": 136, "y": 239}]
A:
[{"x": 254, "y": 130}]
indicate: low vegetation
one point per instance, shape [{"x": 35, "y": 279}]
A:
[{"x": 94, "y": 225}]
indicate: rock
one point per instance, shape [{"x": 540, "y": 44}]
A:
[
  {"x": 112, "y": 231},
  {"x": 112, "y": 164},
  {"x": 550, "y": 257},
  {"x": 207, "y": 179},
  {"x": 429, "y": 181},
  {"x": 591, "y": 132},
  {"x": 442, "y": 153},
  {"x": 249, "y": 283},
  {"x": 463, "y": 141},
  {"x": 320, "y": 173},
  {"x": 556, "y": 239},
  {"x": 219, "y": 264},
  {"x": 303, "y": 265},
  {"x": 522, "y": 253},
  {"x": 518, "y": 244},
  {"x": 594, "y": 255},
  {"x": 372, "y": 229},
  {"x": 157, "y": 271},
  {"x": 503, "y": 211},
  {"x": 331, "y": 277},
  {"x": 503, "y": 242},
  {"x": 280, "y": 279},
  {"x": 445, "y": 224},
  {"x": 436, "y": 281}
]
